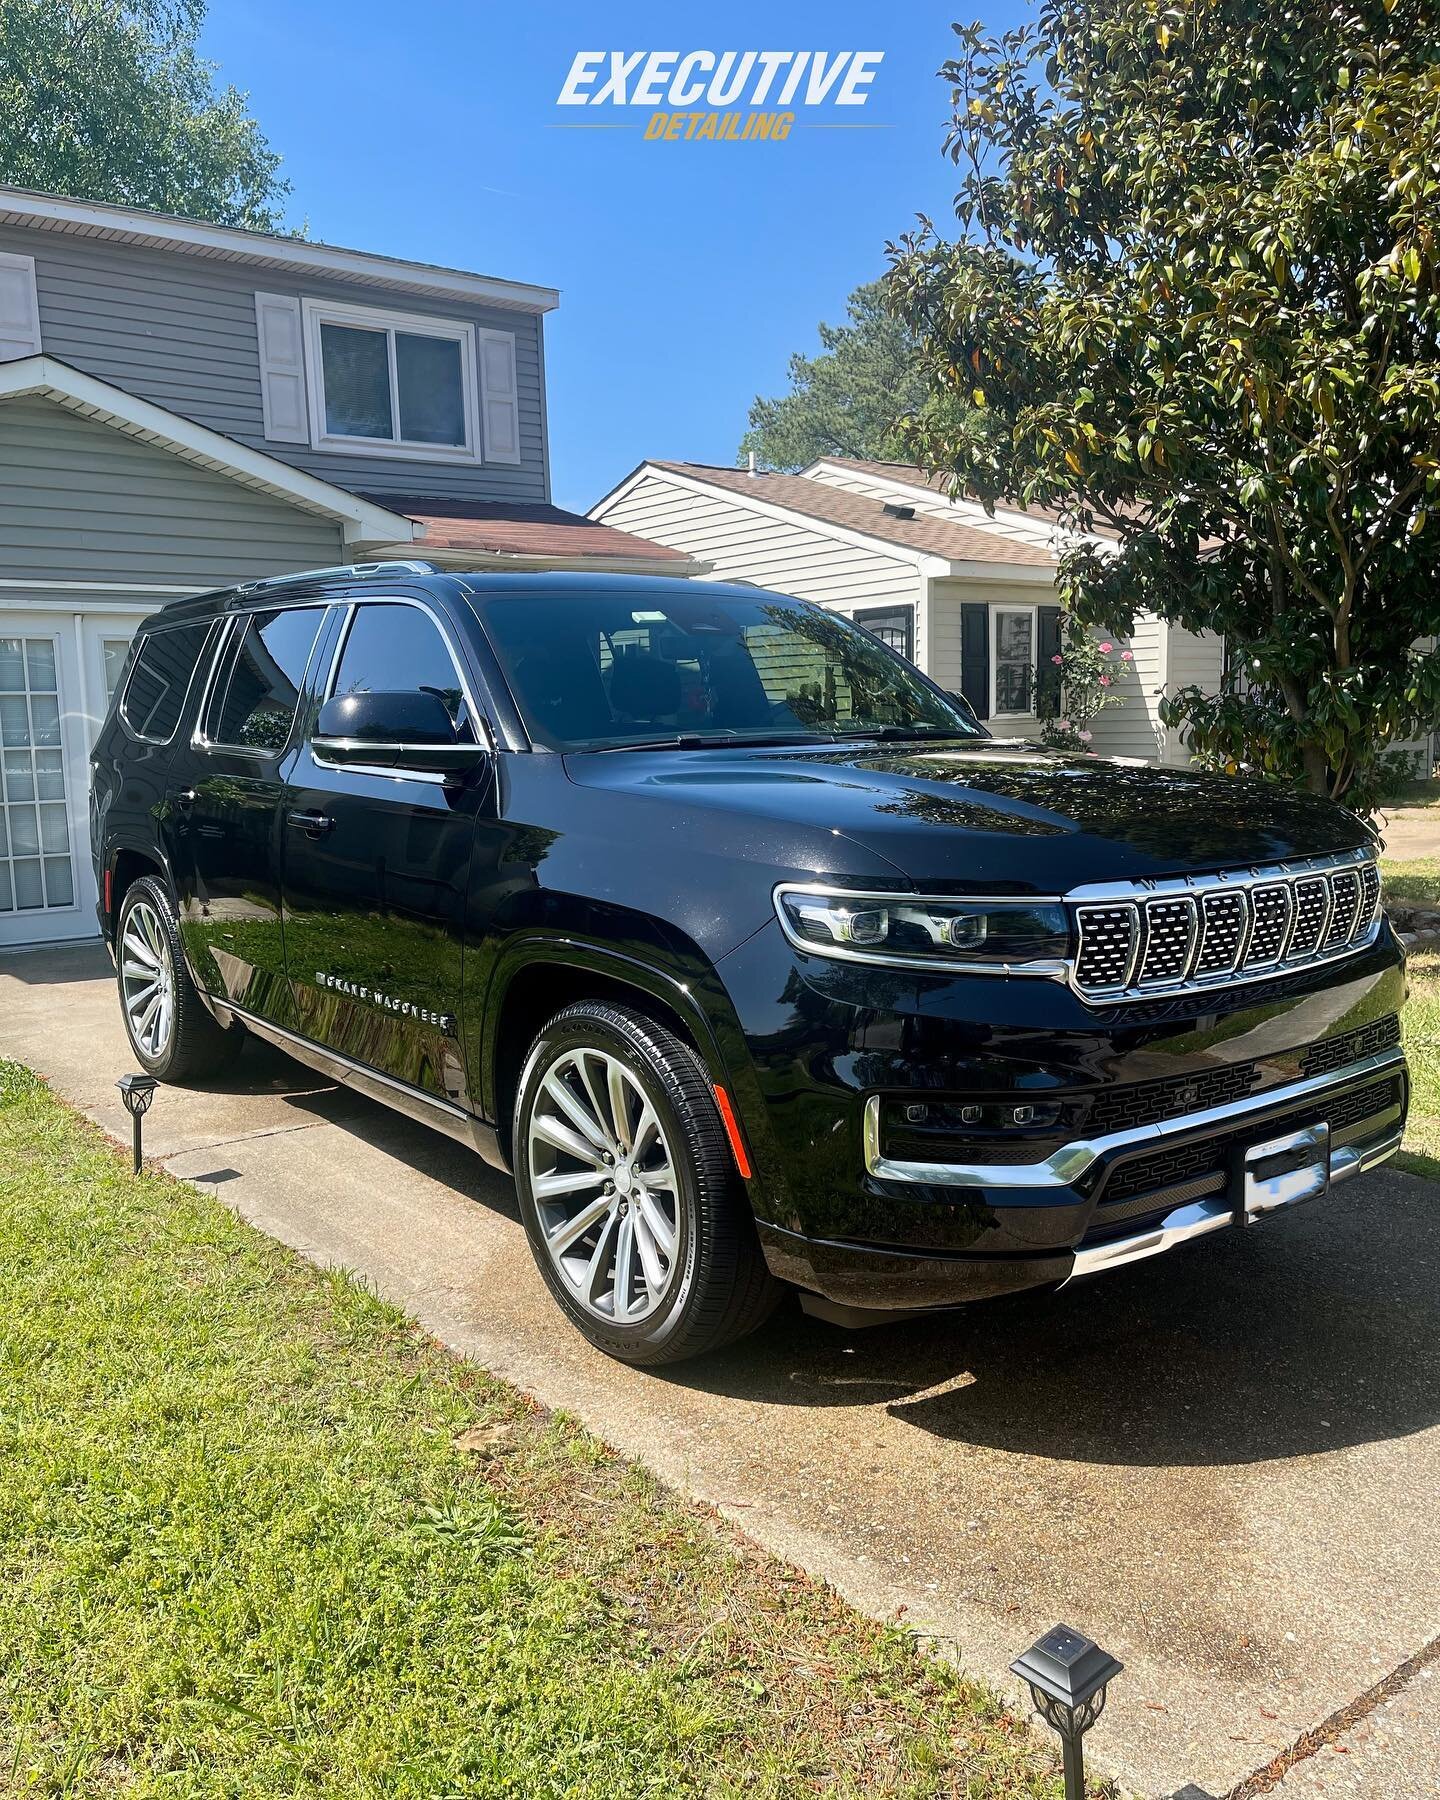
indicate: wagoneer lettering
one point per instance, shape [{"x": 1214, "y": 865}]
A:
[{"x": 746, "y": 948}]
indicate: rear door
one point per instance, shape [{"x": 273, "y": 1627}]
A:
[
  {"x": 223, "y": 809},
  {"x": 377, "y": 864}
]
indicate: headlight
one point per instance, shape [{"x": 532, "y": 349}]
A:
[{"x": 1019, "y": 937}]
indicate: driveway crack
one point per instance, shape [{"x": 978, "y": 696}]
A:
[{"x": 1339, "y": 1722}]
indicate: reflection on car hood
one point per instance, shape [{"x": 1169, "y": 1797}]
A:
[{"x": 1002, "y": 817}]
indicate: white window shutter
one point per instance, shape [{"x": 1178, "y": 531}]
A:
[
  {"x": 282, "y": 368},
  {"x": 499, "y": 396},
  {"x": 19, "y": 308}
]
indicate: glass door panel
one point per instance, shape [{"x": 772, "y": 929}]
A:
[{"x": 37, "y": 871}]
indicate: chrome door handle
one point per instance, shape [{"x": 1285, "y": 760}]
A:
[{"x": 313, "y": 823}]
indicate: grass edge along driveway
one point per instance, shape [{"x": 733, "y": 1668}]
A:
[{"x": 260, "y": 1536}]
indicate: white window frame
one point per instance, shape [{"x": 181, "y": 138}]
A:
[
  {"x": 368, "y": 318},
  {"x": 996, "y": 608}
]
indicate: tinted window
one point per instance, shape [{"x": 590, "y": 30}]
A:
[
  {"x": 394, "y": 649},
  {"x": 602, "y": 668},
  {"x": 160, "y": 679},
  {"x": 255, "y": 700}
]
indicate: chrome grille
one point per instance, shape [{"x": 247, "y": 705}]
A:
[
  {"x": 1196, "y": 935},
  {"x": 1270, "y": 910},
  {"x": 1222, "y": 930},
  {"x": 1107, "y": 943}
]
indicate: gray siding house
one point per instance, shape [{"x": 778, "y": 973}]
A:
[{"x": 184, "y": 406}]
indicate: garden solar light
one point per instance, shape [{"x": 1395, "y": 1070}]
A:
[
  {"x": 1067, "y": 1674},
  {"x": 137, "y": 1091}
]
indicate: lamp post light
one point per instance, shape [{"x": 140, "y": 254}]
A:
[
  {"x": 137, "y": 1091},
  {"x": 1067, "y": 1674}
]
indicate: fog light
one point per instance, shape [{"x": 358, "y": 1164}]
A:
[
  {"x": 971, "y": 1115},
  {"x": 1068, "y": 1675},
  {"x": 1023, "y": 1115},
  {"x": 137, "y": 1091}
]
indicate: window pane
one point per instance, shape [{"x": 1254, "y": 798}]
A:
[
  {"x": 54, "y": 838},
  {"x": 7, "y": 898},
  {"x": 1014, "y": 660},
  {"x": 59, "y": 883},
  {"x": 24, "y": 831},
  {"x": 12, "y": 667},
  {"x": 397, "y": 649},
  {"x": 28, "y": 892},
  {"x": 20, "y": 775},
  {"x": 45, "y": 714},
  {"x": 49, "y": 776},
  {"x": 14, "y": 721},
  {"x": 115, "y": 651},
  {"x": 40, "y": 659},
  {"x": 356, "y": 368},
  {"x": 432, "y": 401},
  {"x": 155, "y": 692},
  {"x": 264, "y": 685}
]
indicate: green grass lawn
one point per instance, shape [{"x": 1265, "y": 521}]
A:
[
  {"x": 1421, "y": 1021},
  {"x": 260, "y": 1537},
  {"x": 1417, "y": 878}
]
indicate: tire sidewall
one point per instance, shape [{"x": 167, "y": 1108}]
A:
[
  {"x": 150, "y": 891},
  {"x": 595, "y": 1029}
]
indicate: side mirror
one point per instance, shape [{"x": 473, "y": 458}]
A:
[{"x": 409, "y": 729}]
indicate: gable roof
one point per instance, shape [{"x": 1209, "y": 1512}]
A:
[
  {"x": 818, "y": 500},
  {"x": 362, "y": 521},
  {"x": 531, "y": 536},
  {"x": 263, "y": 249},
  {"x": 911, "y": 475}
]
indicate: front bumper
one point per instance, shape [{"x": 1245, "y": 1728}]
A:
[{"x": 1106, "y": 1202}]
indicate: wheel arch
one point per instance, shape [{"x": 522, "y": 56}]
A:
[{"x": 539, "y": 976}]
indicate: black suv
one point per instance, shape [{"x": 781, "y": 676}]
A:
[{"x": 746, "y": 947}]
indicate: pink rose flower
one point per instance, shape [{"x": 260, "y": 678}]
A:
[
  {"x": 1057, "y": 660},
  {"x": 1105, "y": 649},
  {"x": 1127, "y": 656},
  {"x": 1104, "y": 681},
  {"x": 1064, "y": 724},
  {"x": 1084, "y": 736}
]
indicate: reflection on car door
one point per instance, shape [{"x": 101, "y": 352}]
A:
[
  {"x": 223, "y": 810},
  {"x": 376, "y": 869}
]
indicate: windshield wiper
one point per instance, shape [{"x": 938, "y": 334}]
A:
[
  {"x": 907, "y": 734},
  {"x": 695, "y": 740}
]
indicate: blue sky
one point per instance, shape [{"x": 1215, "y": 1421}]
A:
[{"x": 688, "y": 272}]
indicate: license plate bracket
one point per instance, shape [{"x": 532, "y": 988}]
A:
[{"x": 1284, "y": 1171}]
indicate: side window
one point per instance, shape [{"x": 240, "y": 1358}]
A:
[
  {"x": 159, "y": 680},
  {"x": 253, "y": 705},
  {"x": 397, "y": 649}
]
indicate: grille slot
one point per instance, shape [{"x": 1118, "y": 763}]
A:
[
  {"x": 1196, "y": 937},
  {"x": 1350, "y": 1046},
  {"x": 1169, "y": 933},
  {"x": 1148, "y": 1102},
  {"x": 1222, "y": 928},
  {"x": 1107, "y": 945}
]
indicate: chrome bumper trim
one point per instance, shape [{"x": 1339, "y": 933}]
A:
[
  {"x": 1067, "y": 1164},
  {"x": 1204, "y": 1216}
]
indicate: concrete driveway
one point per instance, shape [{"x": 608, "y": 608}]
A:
[{"x": 1224, "y": 1465}]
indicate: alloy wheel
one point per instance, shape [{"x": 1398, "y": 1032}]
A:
[
  {"x": 605, "y": 1186},
  {"x": 147, "y": 978}
]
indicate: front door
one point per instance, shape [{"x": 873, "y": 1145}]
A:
[
  {"x": 376, "y": 870},
  {"x": 45, "y": 890},
  {"x": 222, "y": 809}
]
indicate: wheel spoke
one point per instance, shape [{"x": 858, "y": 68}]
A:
[
  {"x": 560, "y": 1136},
  {"x": 573, "y": 1181},
  {"x": 658, "y": 1225},
  {"x": 624, "y": 1266},
  {"x": 600, "y": 1261},
  {"x": 619, "y": 1104},
  {"x": 598, "y": 1104},
  {"x": 649, "y": 1254},
  {"x": 648, "y": 1123},
  {"x": 570, "y": 1233},
  {"x": 661, "y": 1177},
  {"x": 140, "y": 971},
  {"x": 138, "y": 947},
  {"x": 569, "y": 1103}
]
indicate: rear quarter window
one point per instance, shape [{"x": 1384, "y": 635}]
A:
[{"x": 160, "y": 676}]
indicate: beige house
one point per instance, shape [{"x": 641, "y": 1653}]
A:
[{"x": 969, "y": 597}]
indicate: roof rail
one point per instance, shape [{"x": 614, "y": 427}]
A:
[{"x": 349, "y": 571}]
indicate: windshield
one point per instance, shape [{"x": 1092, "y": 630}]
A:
[{"x": 609, "y": 669}]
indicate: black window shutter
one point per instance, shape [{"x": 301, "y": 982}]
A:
[
  {"x": 1047, "y": 676},
  {"x": 975, "y": 656}
]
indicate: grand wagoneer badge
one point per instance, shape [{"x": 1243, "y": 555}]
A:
[{"x": 403, "y": 1009}]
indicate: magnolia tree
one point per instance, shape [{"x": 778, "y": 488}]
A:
[{"x": 1198, "y": 291}]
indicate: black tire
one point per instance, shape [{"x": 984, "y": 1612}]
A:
[
  {"x": 720, "y": 1288},
  {"x": 193, "y": 1046}
]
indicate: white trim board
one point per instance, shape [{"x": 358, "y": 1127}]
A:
[
  {"x": 46, "y": 378},
  {"x": 132, "y": 225}
]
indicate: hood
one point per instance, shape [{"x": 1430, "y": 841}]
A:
[{"x": 990, "y": 817}]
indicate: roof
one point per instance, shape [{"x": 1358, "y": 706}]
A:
[
  {"x": 263, "y": 249},
  {"x": 363, "y": 522},
  {"x": 818, "y": 500},
  {"x": 534, "y": 535},
  {"x": 911, "y": 475}
]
